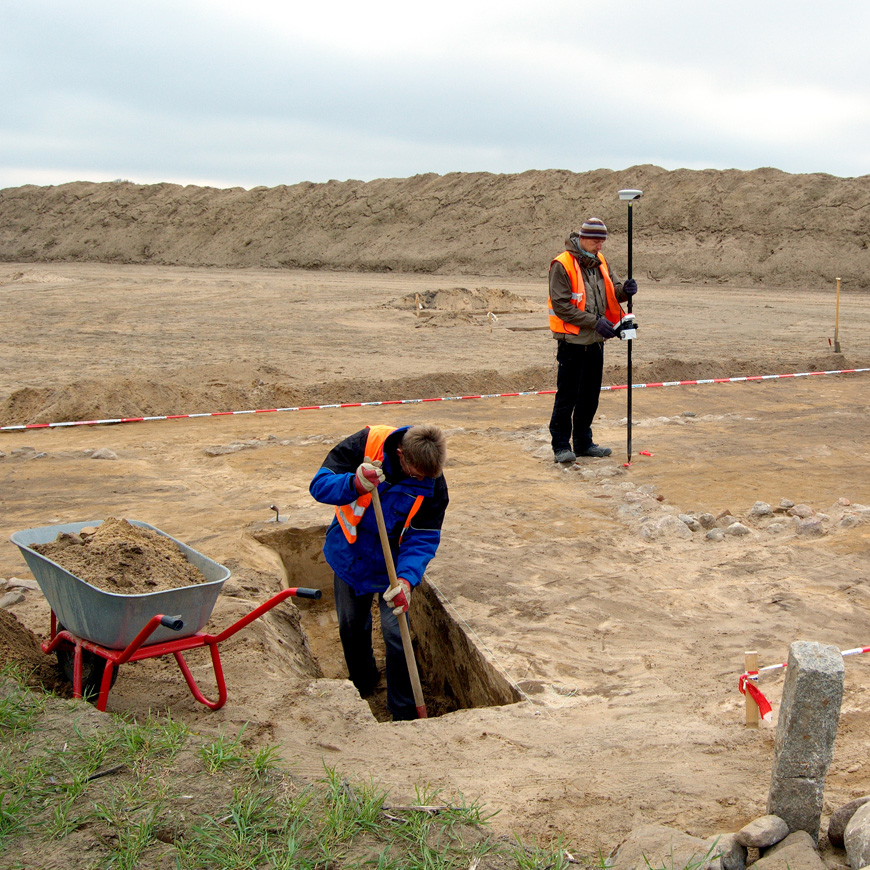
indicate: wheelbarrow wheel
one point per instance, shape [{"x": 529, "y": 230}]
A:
[{"x": 92, "y": 669}]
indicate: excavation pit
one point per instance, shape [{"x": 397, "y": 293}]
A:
[{"x": 455, "y": 673}]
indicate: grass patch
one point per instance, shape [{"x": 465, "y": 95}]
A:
[{"x": 94, "y": 791}]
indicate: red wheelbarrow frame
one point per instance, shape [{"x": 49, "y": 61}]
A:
[{"x": 137, "y": 650}]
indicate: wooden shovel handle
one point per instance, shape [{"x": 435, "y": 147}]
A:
[{"x": 403, "y": 617}]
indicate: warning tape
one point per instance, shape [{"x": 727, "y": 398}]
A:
[
  {"x": 420, "y": 401},
  {"x": 748, "y": 682}
]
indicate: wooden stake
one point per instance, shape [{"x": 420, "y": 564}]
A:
[
  {"x": 837, "y": 321},
  {"x": 750, "y": 666}
]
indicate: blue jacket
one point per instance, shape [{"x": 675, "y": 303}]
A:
[{"x": 361, "y": 565}]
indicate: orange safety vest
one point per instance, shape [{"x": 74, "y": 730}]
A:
[
  {"x": 613, "y": 310},
  {"x": 350, "y": 515}
]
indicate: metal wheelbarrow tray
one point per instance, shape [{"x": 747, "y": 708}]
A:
[{"x": 87, "y": 621}]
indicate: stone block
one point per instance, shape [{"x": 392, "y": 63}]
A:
[{"x": 806, "y": 729}]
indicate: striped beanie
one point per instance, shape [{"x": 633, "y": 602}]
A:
[{"x": 593, "y": 229}]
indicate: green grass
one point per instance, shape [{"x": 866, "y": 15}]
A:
[{"x": 102, "y": 791}]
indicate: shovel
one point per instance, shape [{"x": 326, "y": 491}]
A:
[{"x": 403, "y": 617}]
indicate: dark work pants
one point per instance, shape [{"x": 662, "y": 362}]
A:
[
  {"x": 355, "y": 630},
  {"x": 578, "y": 387}
]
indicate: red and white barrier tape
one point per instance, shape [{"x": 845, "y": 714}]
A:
[
  {"x": 747, "y": 682},
  {"x": 419, "y": 401}
]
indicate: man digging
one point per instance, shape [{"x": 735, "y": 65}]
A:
[{"x": 404, "y": 465}]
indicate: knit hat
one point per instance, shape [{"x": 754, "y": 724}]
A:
[{"x": 593, "y": 229}]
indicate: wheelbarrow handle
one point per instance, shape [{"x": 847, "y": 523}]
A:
[
  {"x": 176, "y": 623},
  {"x": 302, "y": 592}
]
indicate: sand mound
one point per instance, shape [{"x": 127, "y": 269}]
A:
[{"x": 705, "y": 227}]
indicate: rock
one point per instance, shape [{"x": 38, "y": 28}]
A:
[
  {"x": 841, "y": 817},
  {"x": 691, "y": 522},
  {"x": 736, "y": 529},
  {"x": 666, "y": 527},
  {"x": 810, "y": 526},
  {"x": 801, "y": 510},
  {"x": 664, "y": 849},
  {"x": 785, "y": 504},
  {"x": 856, "y": 516},
  {"x": 808, "y": 718},
  {"x": 104, "y": 453},
  {"x": 763, "y": 832},
  {"x": 761, "y": 509},
  {"x": 856, "y": 837},
  {"x": 777, "y": 528},
  {"x": 18, "y": 583},
  {"x": 796, "y": 852},
  {"x": 715, "y": 535},
  {"x": 707, "y": 520},
  {"x": 10, "y": 599},
  {"x": 731, "y": 852}
]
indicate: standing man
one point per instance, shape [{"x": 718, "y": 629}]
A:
[
  {"x": 405, "y": 465},
  {"x": 584, "y": 308}
]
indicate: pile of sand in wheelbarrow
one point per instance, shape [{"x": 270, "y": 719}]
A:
[{"x": 118, "y": 557}]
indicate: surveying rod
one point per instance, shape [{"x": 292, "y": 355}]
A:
[{"x": 630, "y": 196}]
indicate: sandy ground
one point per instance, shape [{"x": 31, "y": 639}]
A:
[{"x": 625, "y": 637}]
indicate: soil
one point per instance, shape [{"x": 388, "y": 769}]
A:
[
  {"x": 622, "y": 633},
  {"x": 119, "y": 557}
]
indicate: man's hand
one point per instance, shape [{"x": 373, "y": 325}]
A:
[
  {"x": 605, "y": 328},
  {"x": 368, "y": 476},
  {"x": 398, "y": 596},
  {"x": 629, "y": 287}
]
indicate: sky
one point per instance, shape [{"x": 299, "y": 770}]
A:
[{"x": 228, "y": 93}]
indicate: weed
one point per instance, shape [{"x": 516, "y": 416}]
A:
[
  {"x": 548, "y": 856},
  {"x": 20, "y": 709},
  {"x": 223, "y": 754},
  {"x": 264, "y": 762}
]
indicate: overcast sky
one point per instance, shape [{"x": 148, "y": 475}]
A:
[{"x": 268, "y": 92}]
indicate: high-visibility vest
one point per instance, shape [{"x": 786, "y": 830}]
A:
[
  {"x": 350, "y": 515},
  {"x": 613, "y": 310}
]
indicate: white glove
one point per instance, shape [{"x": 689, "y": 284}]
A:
[
  {"x": 368, "y": 476},
  {"x": 398, "y": 596}
]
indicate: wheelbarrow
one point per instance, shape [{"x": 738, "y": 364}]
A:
[{"x": 93, "y": 631}]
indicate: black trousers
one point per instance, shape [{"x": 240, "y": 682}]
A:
[
  {"x": 355, "y": 630},
  {"x": 578, "y": 388}
]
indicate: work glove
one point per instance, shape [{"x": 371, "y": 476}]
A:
[
  {"x": 398, "y": 596},
  {"x": 605, "y": 328},
  {"x": 629, "y": 287},
  {"x": 368, "y": 476}
]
